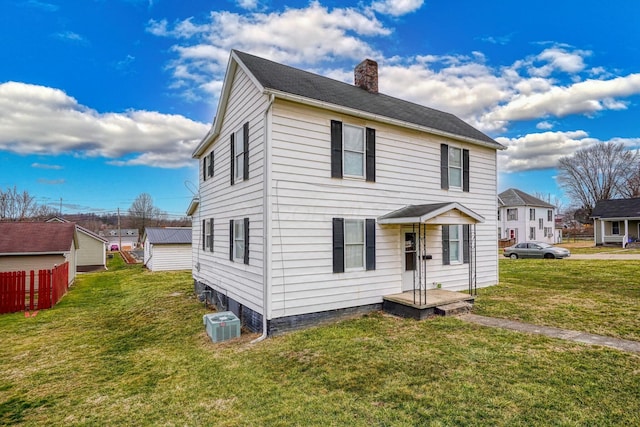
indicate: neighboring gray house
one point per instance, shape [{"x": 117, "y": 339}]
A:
[
  {"x": 92, "y": 250},
  {"x": 319, "y": 198},
  {"x": 127, "y": 238},
  {"x": 525, "y": 218},
  {"x": 616, "y": 221},
  {"x": 167, "y": 248}
]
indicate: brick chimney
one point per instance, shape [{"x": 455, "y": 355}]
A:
[{"x": 366, "y": 75}]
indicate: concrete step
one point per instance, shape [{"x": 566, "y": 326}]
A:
[{"x": 453, "y": 309}]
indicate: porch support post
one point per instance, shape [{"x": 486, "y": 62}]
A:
[
  {"x": 626, "y": 233},
  {"x": 602, "y": 231}
]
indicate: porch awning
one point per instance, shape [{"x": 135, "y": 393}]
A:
[{"x": 434, "y": 213}]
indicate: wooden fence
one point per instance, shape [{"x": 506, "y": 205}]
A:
[{"x": 20, "y": 291}]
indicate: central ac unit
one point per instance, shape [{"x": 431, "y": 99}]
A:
[{"x": 221, "y": 326}]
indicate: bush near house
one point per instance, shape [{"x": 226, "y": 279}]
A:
[{"x": 127, "y": 347}]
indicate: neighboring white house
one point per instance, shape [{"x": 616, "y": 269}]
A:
[
  {"x": 525, "y": 218},
  {"x": 125, "y": 238},
  {"x": 167, "y": 248},
  {"x": 318, "y": 198},
  {"x": 616, "y": 221},
  {"x": 92, "y": 249}
]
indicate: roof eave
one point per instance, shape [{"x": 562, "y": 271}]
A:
[{"x": 379, "y": 118}]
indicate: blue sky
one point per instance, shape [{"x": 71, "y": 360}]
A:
[{"x": 103, "y": 100}]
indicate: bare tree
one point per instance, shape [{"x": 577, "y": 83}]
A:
[
  {"x": 143, "y": 213},
  {"x": 599, "y": 172},
  {"x": 555, "y": 201},
  {"x": 631, "y": 187},
  {"x": 17, "y": 206}
]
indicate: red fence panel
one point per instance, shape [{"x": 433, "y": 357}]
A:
[
  {"x": 12, "y": 287},
  {"x": 16, "y": 296}
]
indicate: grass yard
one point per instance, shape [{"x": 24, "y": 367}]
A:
[
  {"x": 597, "y": 296},
  {"x": 127, "y": 347}
]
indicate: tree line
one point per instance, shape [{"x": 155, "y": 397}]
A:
[{"x": 18, "y": 205}]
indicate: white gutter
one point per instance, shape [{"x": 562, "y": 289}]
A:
[
  {"x": 266, "y": 212},
  {"x": 378, "y": 118}
]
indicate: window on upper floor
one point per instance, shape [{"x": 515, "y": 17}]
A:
[
  {"x": 240, "y": 154},
  {"x": 512, "y": 214},
  {"x": 353, "y": 151},
  {"x": 532, "y": 214},
  {"x": 454, "y": 168},
  {"x": 549, "y": 215},
  {"x": 207, "y": 166}
]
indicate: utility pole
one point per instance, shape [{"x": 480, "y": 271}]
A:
[
  {"x": 119, "y": 232},
  {"x": 60, "y": 210}
]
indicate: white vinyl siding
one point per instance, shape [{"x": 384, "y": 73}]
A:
[
  {"x": 167, "y": 257},
  {"x": 91, "y": 250},
  {"x": 224, "y": 202},
  {"x": 305, "y": 199}
]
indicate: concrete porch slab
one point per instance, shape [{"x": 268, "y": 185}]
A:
[{"x": 422, "y": 304}]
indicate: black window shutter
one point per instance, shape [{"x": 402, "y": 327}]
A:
[
  {"x": 211, "y": 234},
  {"x": 444, "y": 166},
  {"x": 465, "y": 243},
  {"x": 446, "y": 260},
  {"x": 371, "y": 155},
  {"x": 211, "y": 164},
  {"x": 246, "y": 240},
  {"x": 336, "y": 149},
  {"x": 233, "y": 158},
  {"x": 465, "y": 170},
  {"x": 204, "y": 168},
  {"x": 245, "y": 155},
  {"x": 370, "y": 238},
  {"x": 204, "y": 234},
  {"x": 338, "y": 245},
  {"x": 230, "y": 240}
]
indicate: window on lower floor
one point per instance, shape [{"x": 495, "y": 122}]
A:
[
  {"x": 353, "y": 243},
  {"x": 239, "y": 240},
  {"x": 532, "y": 233},
  {"x": 615, "y": 227},
  {"x": 455, "y": 244}
]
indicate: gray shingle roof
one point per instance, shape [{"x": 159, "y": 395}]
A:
[
  {"x": 514, "y": 197},
  {"x": 617, "y": 208},
  {"x": 168, "y": 235},
  {"x": 283, "y": 78}
]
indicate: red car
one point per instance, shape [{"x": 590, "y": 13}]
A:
[{"x": 114, "y": 247}]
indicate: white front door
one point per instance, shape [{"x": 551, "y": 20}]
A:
[{"x": 409, "y": 259}]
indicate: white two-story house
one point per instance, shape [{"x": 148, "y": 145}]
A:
[
  {"x": 524, "y": 218},
  {"x": 318, "y": 198}
]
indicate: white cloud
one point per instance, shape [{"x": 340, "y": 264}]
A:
[
  {"x": 545, "y": 125},
  {"x": 248, "y": 4},
  {"x": 553, "y": 83},
  {"x": 63, "y": 126},
  {"x": 71, "y": 36},
  {"x": 396, "y": 7},
  {"x": 321, "y": 34},
  {"x": 543, "y": 150},
  {"x": 45, "y": 166}
]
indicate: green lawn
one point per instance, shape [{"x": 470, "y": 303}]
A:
[
  {"x": 597, "y": 296},
  {"x": 127, "y": 347}
]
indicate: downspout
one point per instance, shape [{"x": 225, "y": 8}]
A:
[{"x": 266, "y": 212}]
